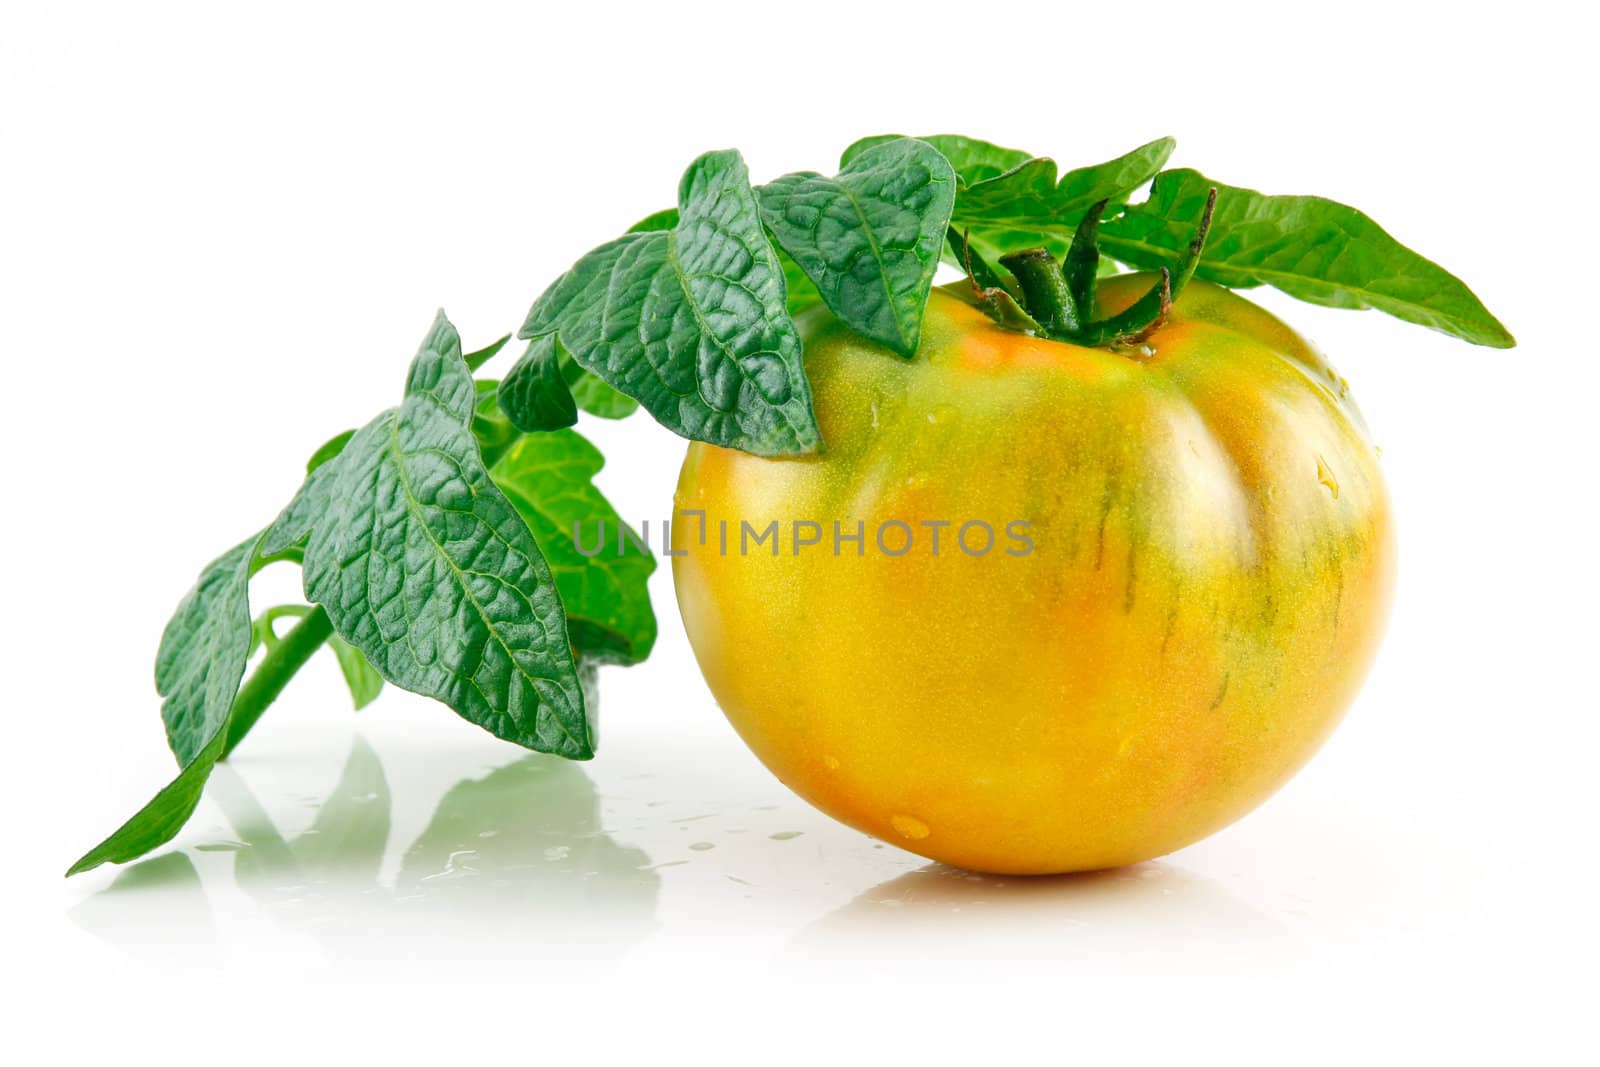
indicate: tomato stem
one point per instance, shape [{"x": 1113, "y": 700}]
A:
[
  {"x": 1045, "y": 293},
  {"x": 1060, "y": 297}
]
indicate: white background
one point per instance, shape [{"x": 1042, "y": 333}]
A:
[{"x": 224, "y": 231}]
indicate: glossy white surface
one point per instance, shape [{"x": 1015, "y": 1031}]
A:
[{"x": 224, "y": 233}]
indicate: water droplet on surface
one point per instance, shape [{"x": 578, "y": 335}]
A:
[
  {"x": 785, "y": 835},
  {"x": 1325, "y": 476},
  {"x": 702, "y": 846},
  {"x": 909, "y": 826}
]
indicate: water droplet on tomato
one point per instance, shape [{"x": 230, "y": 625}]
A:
[
  {"x": 909, "y": 826},
  {"x": 1325, "y": 476}
]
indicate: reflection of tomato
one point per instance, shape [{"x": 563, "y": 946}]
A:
[{"x": 1210, "y": 565}]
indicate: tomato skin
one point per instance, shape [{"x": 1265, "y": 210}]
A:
[{"x": 1211, "y": 564}]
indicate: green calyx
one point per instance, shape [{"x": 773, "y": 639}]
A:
[{"x": 1058, "y": 296}]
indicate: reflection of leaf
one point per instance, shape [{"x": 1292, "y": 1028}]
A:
[
  {"x": 155, "y": 910},
  {"x": 519, "y": 858},
  {"x": 351, "y": 829},
  {"x": 344, "y": 843},
  {"x": 531, "y": 829}
]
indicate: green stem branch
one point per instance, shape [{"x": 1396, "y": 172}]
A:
[{"x": 277, "y": 667}]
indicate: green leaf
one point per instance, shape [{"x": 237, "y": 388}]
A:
[
  {"x": 198, "y": 670},
  {"x": 490, "y": 426},
  {"x": 1114, "y": 181},
  {"x": 537, "y": 391},
  {"x": 665, "y": 219},
  {"x": 203, "y": 650},
  {"x": 692, "y": 321},
  {"x": 360, "y": 676},
  {"x": 483, "y": 355},
  {"x": 294, "y": 523},
  {"x": 549, "y": 479},
  {"x": 800, "y": 294},
  {"x": 1028, "y": 207},
  {"x": 1314, "y": 249},
  {"x": 330, "y": 448},
  {"x": 425, "y": 567},
  {"x": 593, "y": 395},
  {"x": 869, "y": 239},
  {"x": 973, "y": 160},
  {"x": 160, "y": 820}
]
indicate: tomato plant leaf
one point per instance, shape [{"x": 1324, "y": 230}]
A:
[
  {"x": 288, "y": 532},
  {"x": 425, "y": 567},
  {"x": 486, "y": 353},
  {"x": 360, "y": 676},
  {"x": 600, "y": 569},
  {"x": 593, "y": 395},
  {"x": 1313, "y": 249},
  {"x": 537, "y": 390},
  {"x": 1113, "y": 181},
  {"x": 799, "y": 288},
  {"x": 973, "y": 160},
  {"x": 869, "y": 239},
  {"x": 691, "y": 322},
  {"x": 1030, "y": 207},
  {"x": 203, "y": 650},
  {"x": 160, "y": 820},
  {"x": 801, "y": 294},
  {"x": 490, "y": 426},
  {"x": 665, "y": 219},
  {"x": 293, "y": 524},
  {"x": 198, "y": 669},
  {"x": 330, "y": 448}
]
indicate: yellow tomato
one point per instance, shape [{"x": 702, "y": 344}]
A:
[{"x": 1185, "y": 577}]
